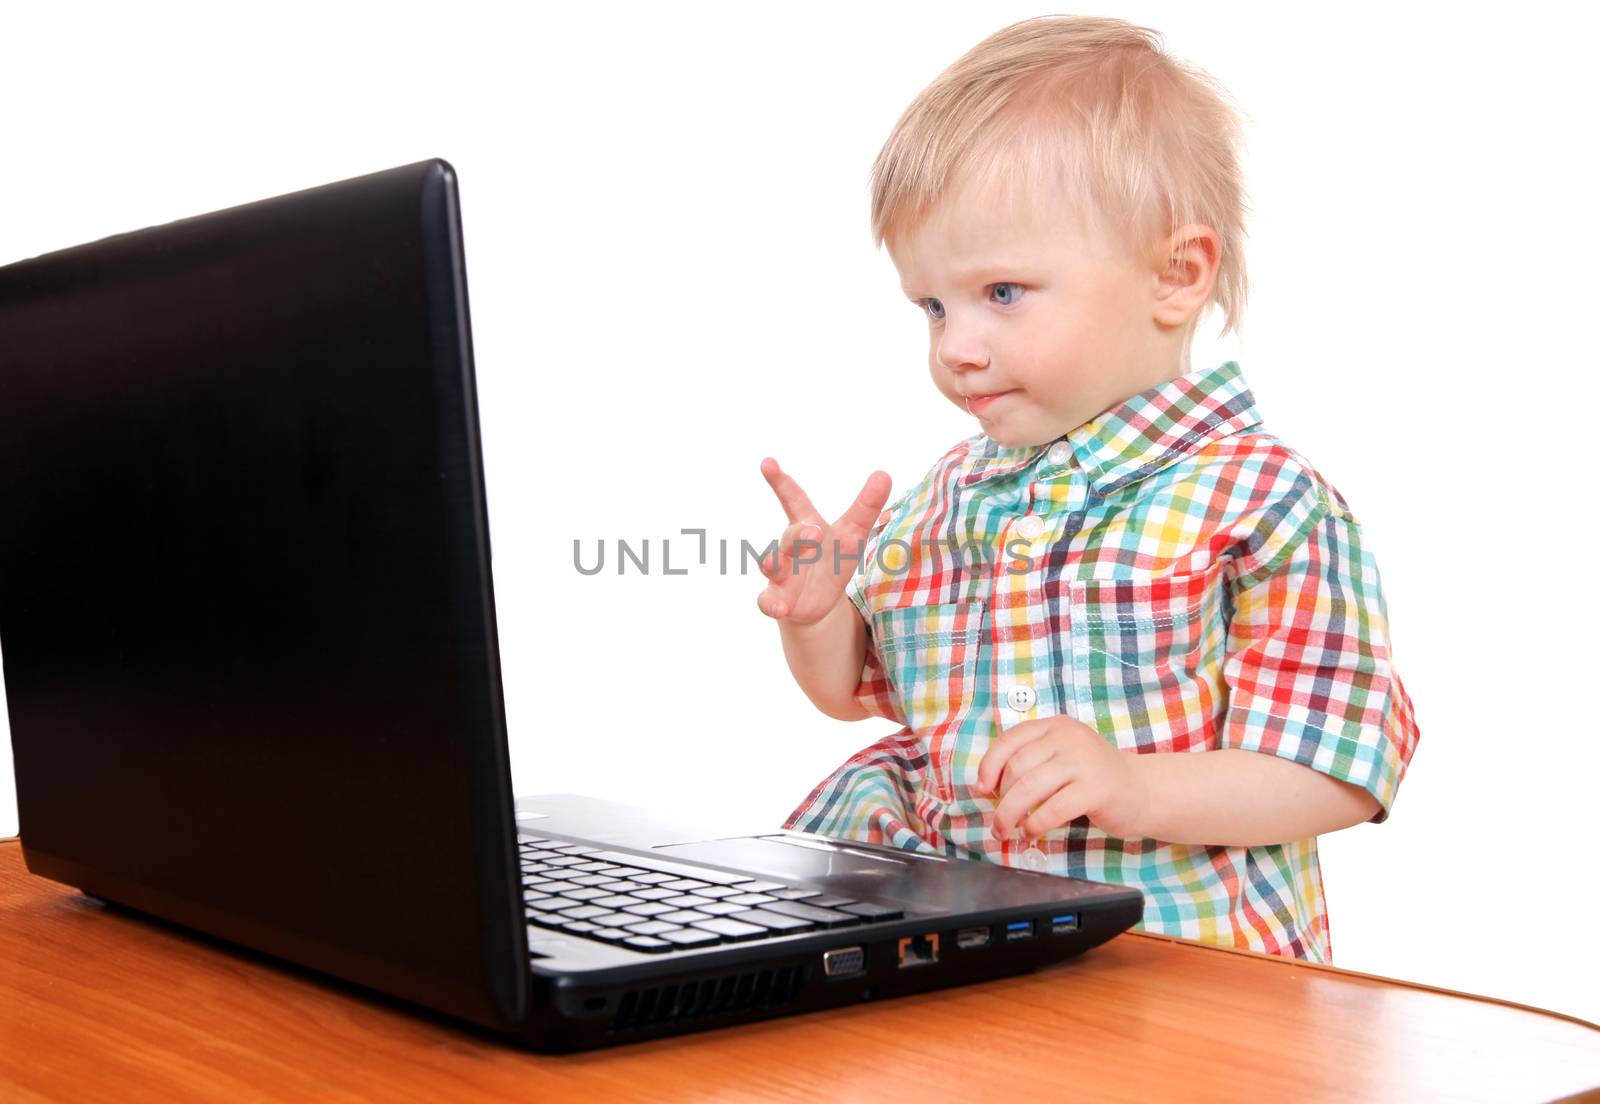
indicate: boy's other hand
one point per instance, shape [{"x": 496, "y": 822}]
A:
[
  {"x": 802, "y": 589},
  {"x": 1048, "y": 772}
]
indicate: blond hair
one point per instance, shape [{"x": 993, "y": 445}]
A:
[{"x": 1141, "y": 142}]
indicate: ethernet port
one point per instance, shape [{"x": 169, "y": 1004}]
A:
[{"x": 919, "y": 950}]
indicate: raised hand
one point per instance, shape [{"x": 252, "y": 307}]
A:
[{"x": 803, "y": 588}]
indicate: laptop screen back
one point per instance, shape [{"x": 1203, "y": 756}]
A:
[{"x": 245, "y": 603}]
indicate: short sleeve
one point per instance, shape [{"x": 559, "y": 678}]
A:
[
  {"x": 1309, "y": 672},
  {"x": 875, "y": 693}
]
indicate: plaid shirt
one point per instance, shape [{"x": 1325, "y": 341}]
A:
[{"x": 1168, "y": 573}]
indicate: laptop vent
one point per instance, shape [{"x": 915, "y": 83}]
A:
[{"x": 693, "y": 1000}]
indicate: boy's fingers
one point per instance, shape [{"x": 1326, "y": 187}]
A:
[
  {"x": 793, "y": 500},
  {"x": 1025, "y": 761},
  {"x": 1001, "y": 749},
  {"x": 1062, "y": 807},
  {"x": 862, "y": 515},
  {"x": 774, "y": 565},
  {"x": 785, "y": 583},
  {"x": 770, "y": 603},
  {"x": 788, "y": 542},
  {"x": 1028, "y": 792}
]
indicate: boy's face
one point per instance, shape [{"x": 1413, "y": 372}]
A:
[{"x": 1035, "y": 324}]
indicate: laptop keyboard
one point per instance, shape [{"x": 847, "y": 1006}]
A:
[{"x": 655, "y": 906}]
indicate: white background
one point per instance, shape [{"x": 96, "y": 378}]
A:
[{"x": 671, "y": 275}]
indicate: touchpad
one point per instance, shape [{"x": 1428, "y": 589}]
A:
[{"x": 781, "y": 858}]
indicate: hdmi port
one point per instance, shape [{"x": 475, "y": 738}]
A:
[{"x": 968, "y": 938}]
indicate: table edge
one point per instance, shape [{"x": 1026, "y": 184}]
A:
[
  {"x": 1280, "y": 960},
  {"x": 1302, "y": 964}
]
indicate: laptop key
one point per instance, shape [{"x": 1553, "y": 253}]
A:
[
  {"x": 653, "y": 877},
  {"x": 652, "y": 927},
  {"x": 576, "y": 849},
  {"x": 592, "y": 879},
  {"x": 828, "y": 918},
  {"x": 648, "y": 943},
  {"x": 794, "y": 893},
  {"x": 830, "y": 902},
  {"x": 654, "y": 893},
  {"x": 616, "y": 901},
  {"x": 775, "y": 921},
  {"x": 718, "y": 891},
  {"x": 687, "y": 900},
  {"x": 685, "y": 916},
  {"x": 722, "y": 908},
  {"x": 869, "y": 911},
  {"x": 685, "y": 884},
  {"x": 648, "y": 908},
  {"x": 731, "y": 929},
  {"x": 615, "y": 919},
  {"x": 583, "y": 912},
  {"x": 622, "y": 885},
  {"x": 753, "y": 886},
  {"x": 610, "y": 935},
  {"x": 540, "y": 901},
  {"x": 675, "y": 870},
  {"x": 582, "y": 927},
  {"x": 691, "y": 937},
  {"x": 752, "y": 898},
  {"x": 583, "y": 893}
]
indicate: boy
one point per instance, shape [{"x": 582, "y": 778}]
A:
[{"x": 1131, "y": 635}]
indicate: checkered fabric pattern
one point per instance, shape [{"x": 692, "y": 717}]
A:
[{"x": 1168, "y": 573}]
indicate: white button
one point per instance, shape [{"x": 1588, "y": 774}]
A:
[
  {"x": 1059, "y": 453},
  {"x": 1033, "y": 859},
  {"x": 1021, "y": 698},
  {"x": 1030, "y": 526}
]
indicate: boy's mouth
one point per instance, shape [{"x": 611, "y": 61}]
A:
[{"x": 976, "y": 403}]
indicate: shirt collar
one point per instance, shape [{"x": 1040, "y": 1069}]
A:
[{"x": 1140, "y": 435}]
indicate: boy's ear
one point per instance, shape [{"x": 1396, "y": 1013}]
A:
[{"x": 1193, "y": 255}]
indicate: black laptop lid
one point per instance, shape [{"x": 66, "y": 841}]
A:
[{"x": 245, "y": 600}]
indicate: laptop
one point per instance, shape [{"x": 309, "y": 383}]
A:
[{"x": 248, "y": 627}]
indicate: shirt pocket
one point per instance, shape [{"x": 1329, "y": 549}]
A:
[
  {"x": 1147, "y": 658},
  {"x": 930, "y": 655}
]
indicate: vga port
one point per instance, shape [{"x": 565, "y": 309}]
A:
[{"x": 843, "y": 961}]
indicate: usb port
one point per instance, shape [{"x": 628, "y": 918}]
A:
[
  {"x": 969, "y": 938},
  {"x": 1019, "y": 929},
  {"x": 1066, "y": 922}
]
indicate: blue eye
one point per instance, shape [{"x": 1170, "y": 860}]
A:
[
  {"x": 1015, "y": 293},
  {"x": 934, "y": 308}
]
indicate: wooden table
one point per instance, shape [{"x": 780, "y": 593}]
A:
[{"x": 98, "y": 1003}]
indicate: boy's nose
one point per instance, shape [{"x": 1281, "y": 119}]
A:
[{"x": 961, "y": 351}]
